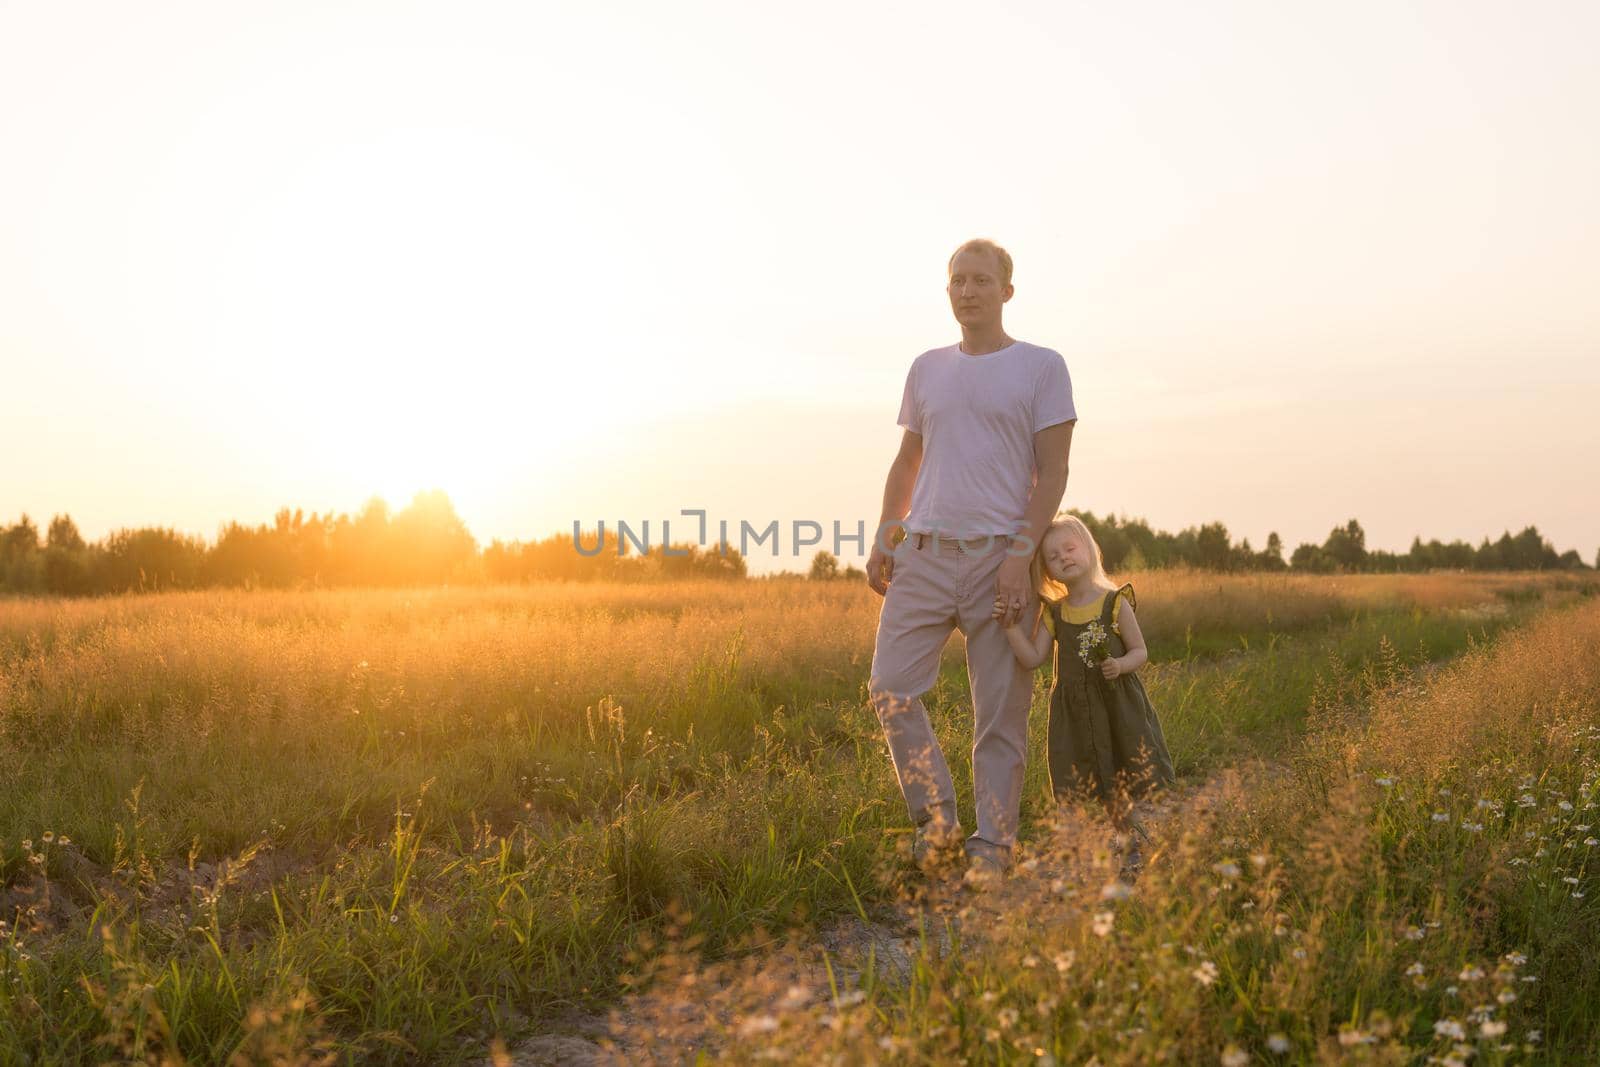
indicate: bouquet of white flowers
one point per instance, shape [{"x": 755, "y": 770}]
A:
[{"x": 1092, "y": 645}]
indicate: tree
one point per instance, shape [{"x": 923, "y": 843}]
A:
[
  {"x": 21, "y": 565},
  {"x": 19, "y": 540},
  {"x": 150, "y": 559},
  {"x": 68, "y": 562},
  {"x": 824, "y": 566},
  {"x": 1271, "y": 557},
  {"x": 1346, "y": 546},
  {"x": 1312, "y": 559},
  {"x": 428, "y": 541},
  {"x": 1212, "y": 547},
  {"x": 64, "y": 534}
]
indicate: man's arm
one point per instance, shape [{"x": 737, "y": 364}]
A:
[
  {"x": 1051, "y": 447},
  {"x": 897, "y": 490}
]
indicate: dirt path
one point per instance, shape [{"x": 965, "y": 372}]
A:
[{"x": 690, "y": 1006}]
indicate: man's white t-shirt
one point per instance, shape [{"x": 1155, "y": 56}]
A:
[{"x": 977, "y": 416}]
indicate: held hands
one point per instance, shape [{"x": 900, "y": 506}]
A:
[
  {"x": 1000, "y": 613},
  {"x": 1011, "y": 591}
]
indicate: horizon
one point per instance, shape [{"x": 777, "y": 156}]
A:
[{"x": 783, "y": 560}]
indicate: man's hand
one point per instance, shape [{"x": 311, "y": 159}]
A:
[
  {"x": 1011, "y": 589},
  {"x": 880, "y": 569}
]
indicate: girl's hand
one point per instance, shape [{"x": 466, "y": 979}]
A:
[
  {"x": 1000, "y": 613},
  {"x": 1111, "y": 667}
]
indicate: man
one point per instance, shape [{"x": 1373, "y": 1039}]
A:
[{"x": 980, "y": 474}]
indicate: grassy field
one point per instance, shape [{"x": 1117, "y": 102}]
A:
[
  {"x": 392, "y": 825},
  {"x": 1415, "y": 882}
]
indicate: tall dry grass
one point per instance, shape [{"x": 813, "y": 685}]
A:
[
  {"x": 1417, "y": 884},
  {"x": 420, "y": 818}
]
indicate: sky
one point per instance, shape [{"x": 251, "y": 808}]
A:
[{"x": 617, "y": 260}]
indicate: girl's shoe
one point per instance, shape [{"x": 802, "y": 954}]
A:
[
  {"x": 1133, "y": 852},
  {"x": 1132, "y": 862}
]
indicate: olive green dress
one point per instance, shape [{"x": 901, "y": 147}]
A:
[{"x": 1102, "y": 734}]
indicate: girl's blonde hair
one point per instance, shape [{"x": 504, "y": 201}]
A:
[{"x": 1049, "y": 588}]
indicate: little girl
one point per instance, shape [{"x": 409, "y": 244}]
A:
[{"x": 1103, "y": 734}]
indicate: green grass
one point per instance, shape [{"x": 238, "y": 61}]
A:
[
  {"x": 443, "y": 846},
  {"x": 1418, "y": 886}
]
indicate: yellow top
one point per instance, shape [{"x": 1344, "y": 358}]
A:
[{"x": 1088, "y": 612}]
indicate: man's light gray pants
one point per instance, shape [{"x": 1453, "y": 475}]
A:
[{"x": 944, "y": 585}]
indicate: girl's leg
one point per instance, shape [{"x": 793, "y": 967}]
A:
[{"x": 1127, "y": 817}]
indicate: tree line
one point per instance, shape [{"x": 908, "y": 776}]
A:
[
  {"x": 426, "y": 543},
  {"x": 1131, "y": 545}
]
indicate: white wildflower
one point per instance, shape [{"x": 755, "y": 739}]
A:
[
  {"x": 1449, "y": 1028},
  {"x": 758, "y": 1024},
  {"x": 1278, "y": 1043},
  {"x": 1206, "y": 973}
]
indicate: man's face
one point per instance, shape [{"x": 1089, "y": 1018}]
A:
[{"x": 976, "y": 295}]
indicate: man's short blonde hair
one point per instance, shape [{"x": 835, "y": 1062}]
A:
[{"x": 983, "y": 244}]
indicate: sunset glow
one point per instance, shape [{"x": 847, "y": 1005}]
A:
[{"x": 566, "y": 262}]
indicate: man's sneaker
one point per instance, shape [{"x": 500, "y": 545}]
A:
[
  {"x": 935, "y": 847},
  {"x": 983, "y": 871}
]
